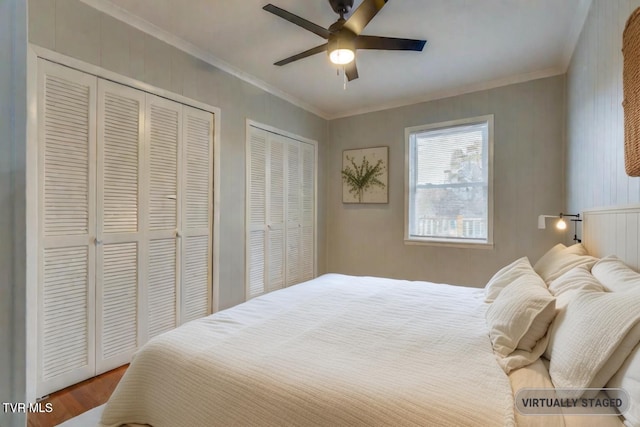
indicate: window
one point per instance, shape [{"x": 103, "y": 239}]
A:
[{"x": 448, "y": 180}]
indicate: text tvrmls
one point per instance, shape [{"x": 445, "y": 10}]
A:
[
  {"x": 571, "y": 403},
  {"x": 23, "y": 408}
]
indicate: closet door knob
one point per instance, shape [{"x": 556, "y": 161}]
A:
[{"x": 98, "y": 242}]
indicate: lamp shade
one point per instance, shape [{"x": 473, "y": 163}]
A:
[{"x": 541, "y": 222}]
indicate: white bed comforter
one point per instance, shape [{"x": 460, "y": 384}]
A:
[{"x": 338, "y": 350}]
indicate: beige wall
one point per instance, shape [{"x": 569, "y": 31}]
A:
[
  {"x": 13, "y": 112},
  {"x": 75, "y": 29},
  {"x": 595, "y": 120},
  {"x": 528, "y": 181}
]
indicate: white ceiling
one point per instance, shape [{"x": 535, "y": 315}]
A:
[{"x": 471, "y": 45}]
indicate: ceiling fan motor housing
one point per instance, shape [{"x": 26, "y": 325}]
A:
[
  {"x": 341, "y": 6},
  {"x": 341, "y": 39}
]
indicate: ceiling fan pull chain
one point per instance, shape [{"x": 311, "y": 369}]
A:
[{"x": 344, "y": 79}]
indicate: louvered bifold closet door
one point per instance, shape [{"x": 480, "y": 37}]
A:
[
  {"x": 66, "y": 256},
  {"x": 307, "y": 250},
  {"x": 163, "y": 156},
  {"x": 197, "y": 213},
  {"x": 293, "y": 215},
  {"x": 275, "y": 215},
  {"x": 119, "y": 230},
  {"x": 256, "y": 212}
]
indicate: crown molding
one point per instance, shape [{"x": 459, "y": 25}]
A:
[
  {"x": 461, "y": 90},
  {"x": 127, "y": 17}
]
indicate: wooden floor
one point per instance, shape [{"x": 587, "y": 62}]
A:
[{"x": 77, "y": 399}]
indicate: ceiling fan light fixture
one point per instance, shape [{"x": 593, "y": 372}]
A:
[
  {"x": 342, "y": 56},
  {"x": 344, "y": 36}
]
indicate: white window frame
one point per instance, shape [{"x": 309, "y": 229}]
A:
[{"x": 456, "y": 242}]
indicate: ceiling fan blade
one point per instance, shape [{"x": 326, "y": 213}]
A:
[
  {"x": 295, "y": 19},
  {"x": 351, "y": 70},
  {"x": 363, "y": 15},
  {"x": 389, "y": 43},
  {"x": 312, "y": 51}
]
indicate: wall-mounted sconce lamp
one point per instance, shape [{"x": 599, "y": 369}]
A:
[{"x": 561, "y": 224}]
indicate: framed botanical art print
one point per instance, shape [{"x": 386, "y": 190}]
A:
[{"x": 365, "y": 175}]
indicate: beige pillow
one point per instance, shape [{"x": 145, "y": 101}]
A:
[
  {"x": 592, "y": 336},
  {"x": 615, "y": 275},
  {"x": 560, "y": 260},
  {"x": 505, "y": 276},
  {"x": 518, "y": 321}
]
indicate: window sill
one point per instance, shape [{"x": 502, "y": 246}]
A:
[{"x": 448, "y": 243}]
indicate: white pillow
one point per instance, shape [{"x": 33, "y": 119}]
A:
[
  {"x": 505, "y": 276},
  {"x": 577, "y": 279},
  {"x": 518, "y": 321},
  {"x": 628, "y": 378},
  {"x": 615, "y": 275},
  {"x": 564, "y": 287},
  {"x": 592, "y": 336},
  {"x": 548, "y": 257},
  {"x": 560, "y": 261}
]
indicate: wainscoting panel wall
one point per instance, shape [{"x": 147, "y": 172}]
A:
[{"x": 614, "y": 231}]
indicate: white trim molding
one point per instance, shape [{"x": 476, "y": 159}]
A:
[
  {"x": 408, "y": 184},
  {"x": 456, "y": 91},
  {"x": 165, "y": 36}
]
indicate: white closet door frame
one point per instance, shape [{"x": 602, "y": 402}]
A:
[
  {"x": 45, "y": 386},
  {"x": 103, "y": 238}
]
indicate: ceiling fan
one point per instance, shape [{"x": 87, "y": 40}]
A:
[{"x": 343, "y": 36}]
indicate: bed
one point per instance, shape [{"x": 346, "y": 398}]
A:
[{"x": 344, "y": 350}]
